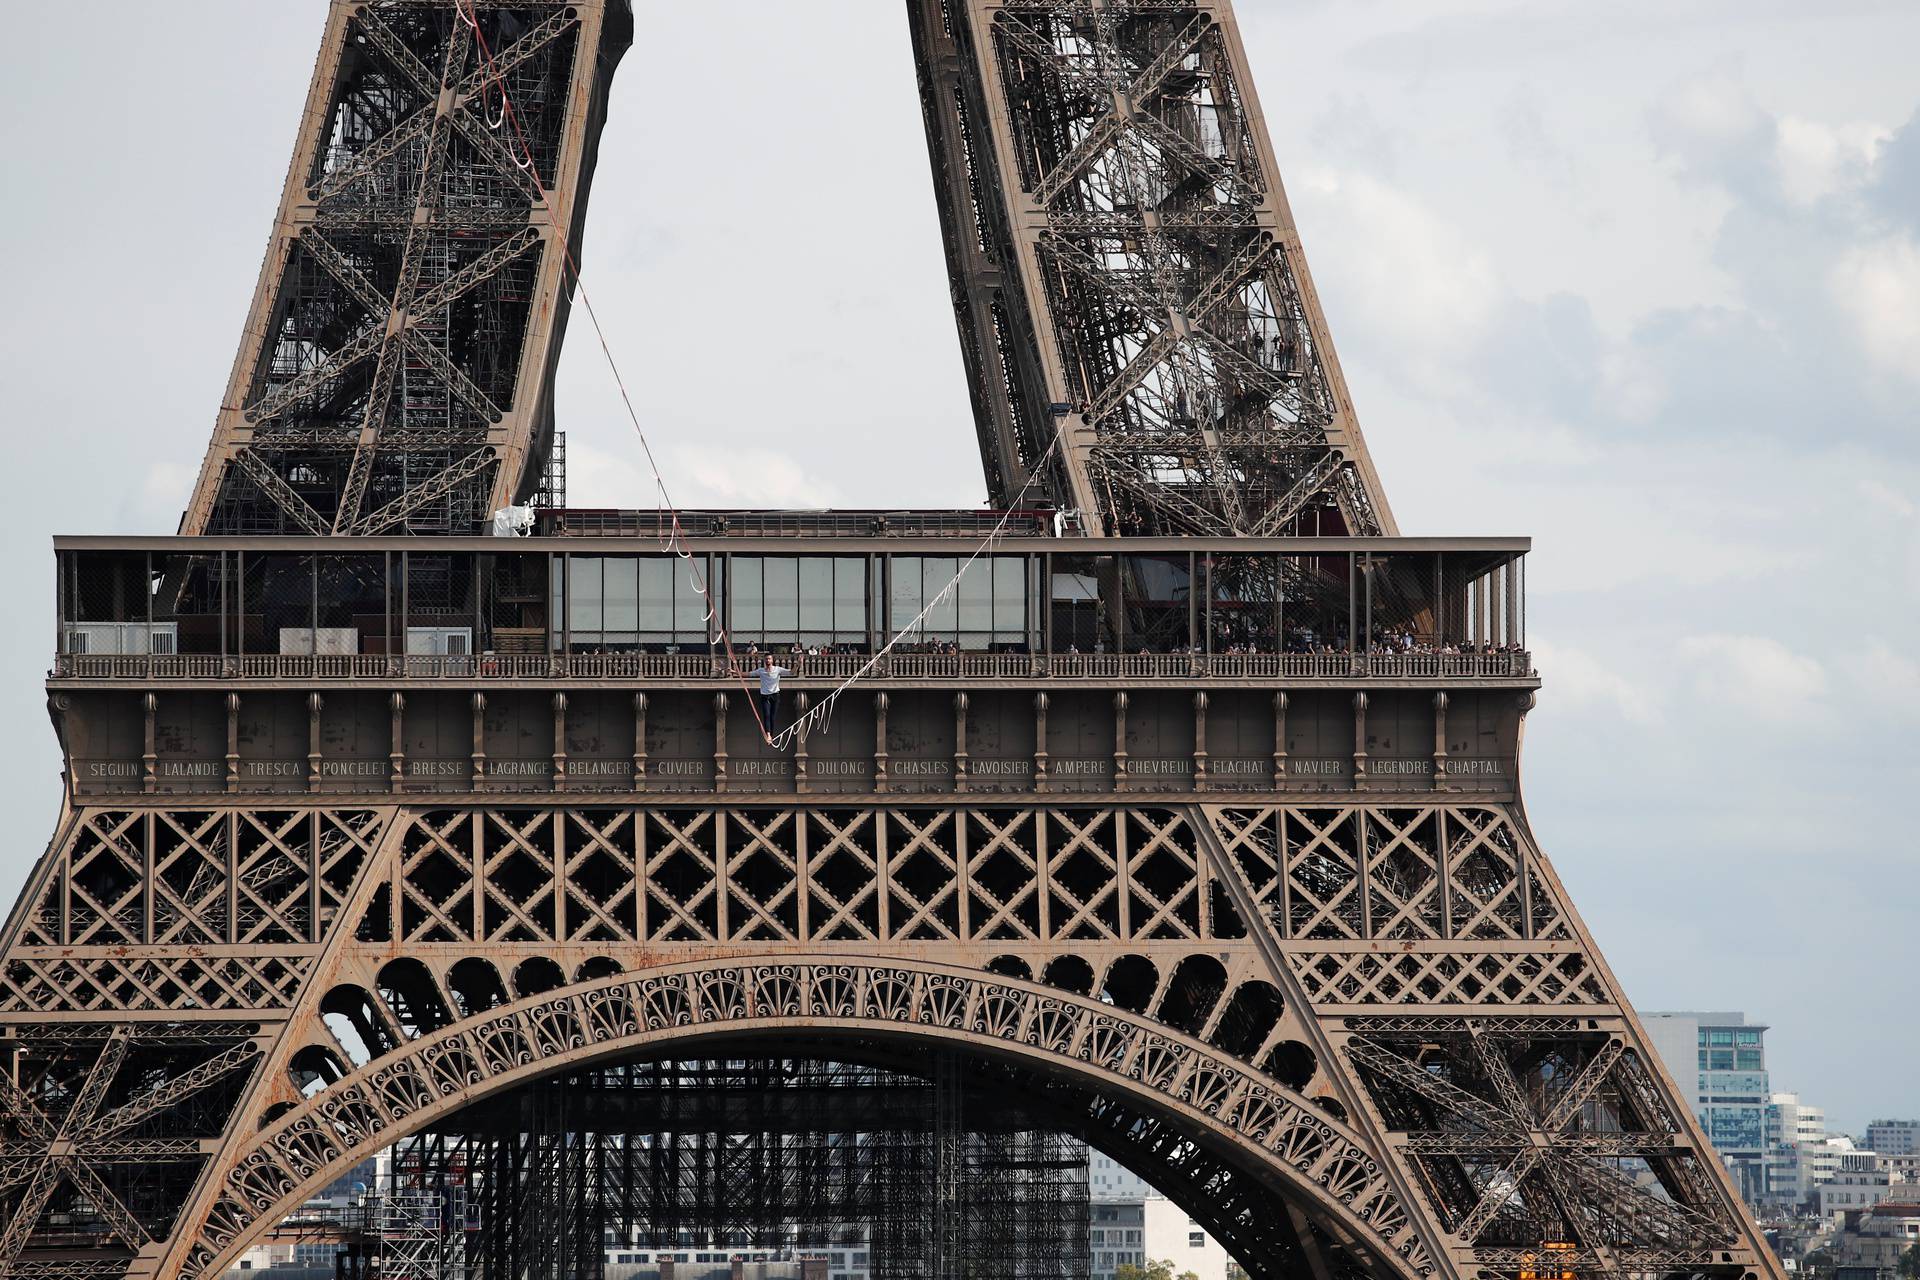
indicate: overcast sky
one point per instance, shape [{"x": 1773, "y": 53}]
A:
[{"x": 1638, "y": 278}]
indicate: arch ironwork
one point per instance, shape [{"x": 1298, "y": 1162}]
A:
[{"x": 1321, "y": 1163}]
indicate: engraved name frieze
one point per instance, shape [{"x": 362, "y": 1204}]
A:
[
  {"x": 519, "y": 768},
  {"x": 1001, "y": 768},
  {"x": 438, "y": 768},
  {"x": 682, "y": 769},
  {"x": 110, "y": 769},
  {"x": 599, "y": 769},
  {"x": 265, "y": 770},
  {"x": 354, "y": 768},
  {"x": 922, "y": 769},
  {"x": 189, "y": 769},
  {"x": 842, "y": 768},
  {"x": 1392, "y": 768},
  {"x": 763, "y": 768}
]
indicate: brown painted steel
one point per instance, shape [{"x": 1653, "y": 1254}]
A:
[
  {"x": 1127, "y": 275},
  {"x": 1291, "y": 916},
  {"x": 396, "y": 369}
]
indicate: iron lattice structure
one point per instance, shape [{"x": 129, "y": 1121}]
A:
[
  {"x": 1353, "y": 1038},
  {"x": 1127, "y": 275},
  {"x": 796, "y": 1157},
  {"x": 397, "y": 369},
  {"x": 1311, "y": 975}
]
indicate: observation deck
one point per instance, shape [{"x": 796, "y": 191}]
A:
[{"x": 587, "y": 659}]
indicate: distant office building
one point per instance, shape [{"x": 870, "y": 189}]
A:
[
  {"x": 1116, "y": 1235},
  {"x": 1871, "y": 1242},
  {"x": 1719, "y": 1060},
  {"x": 1894, "y": 1137},
  {"x": 1108, "y": 1179},
  {"x": 1801, "y": 1156},
  {"x": 1860, "y": 1182},
  {"x": 1174, "y": 1237},
  {"x": 1140, "y": 1230}
]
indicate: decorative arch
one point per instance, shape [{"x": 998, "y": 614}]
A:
[{"x": 1260, "y": 1125}]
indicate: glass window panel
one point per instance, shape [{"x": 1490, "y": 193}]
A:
[
  {"x": 1010, "y": 590},
  {"x": 1080, "y": 619},
  {"x": 907, "y": 600},
  {"x": 937, "y": 572},
  {"x": 656, "y": 595},
  {"x": 782, "y": 595},
  {"x": 620, "y": 605},
  {"x": 748, "y": 613},
  {"x": 689, "y": 608},
  {"x": 584, "y": 609},
  {"x": 816, "y": 595},
  {"x": 976, "y": 599},
  {"x": 850, "y": 598}
]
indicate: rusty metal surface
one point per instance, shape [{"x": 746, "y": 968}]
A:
[
  {"x": 1127, "y": 276},
  {"x": 396, "y": 366},
  {"x": 1358, "y": 991},
  {"x": 1277, "y": 975}
]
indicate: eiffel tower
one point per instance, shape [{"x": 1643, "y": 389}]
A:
[{"x": 1190, "y": 817}]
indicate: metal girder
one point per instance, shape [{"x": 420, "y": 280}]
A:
[
  {"x": 392, "y": 48},
  {"x": 1086, "y": 112},
  {"x": 292, "y": 504},
  {"x": 276, "y": 399},
  {"x": 427, "y": 199},
  {"x": 406, "y": 156},
  {"x": 172, "y": 1092},
  {"x": 1311, "y": 484},
  {"x": 868, "y": 913},
  {"x": 62, "y": 1155},
  {"x": 429, "y": 490},
  {"x": 337, "y": 265}
]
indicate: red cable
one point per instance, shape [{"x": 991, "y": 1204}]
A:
[{"x": 469, "y": 14}]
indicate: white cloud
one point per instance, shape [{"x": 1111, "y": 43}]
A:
[
  {"x": 1889, "y": 679},
  {"x": 697, "y": 477},
  {"x": 1715, "y": 110},
  {"x": 1887, "y": 498},
  {"x": 1578, "y": 680},
  {"x": 753, "y": 476},
  {"x": 1755, "y": 675},
  {"x": 1878, "y": 286},
  {"x": 154, "y": 503},
  {"x": 1815, "y": 160},
  {"x": 1635, "y": 388},
  {"x": 1423, "y": 285},
  {"x": 599, "y": 478}
]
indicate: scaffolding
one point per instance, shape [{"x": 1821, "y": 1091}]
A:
[
  {"x": 552, "y": 493},
  {"x": 783, "y": 1157}
]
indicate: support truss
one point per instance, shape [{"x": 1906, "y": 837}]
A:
[
  {"x": 1127, "y": 274},
  {"x": 1367, "y": 1033},
  {"x": 396, "y": 373}
]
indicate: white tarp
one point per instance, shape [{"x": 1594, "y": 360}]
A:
[{"x": 513, "y": 522}]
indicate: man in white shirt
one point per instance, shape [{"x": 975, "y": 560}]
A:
[{"x": 769, "y": 677}]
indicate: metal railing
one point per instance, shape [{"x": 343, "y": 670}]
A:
[
  {"x": 838, "y": 666},
  {"x": 592, "y": 523}
]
